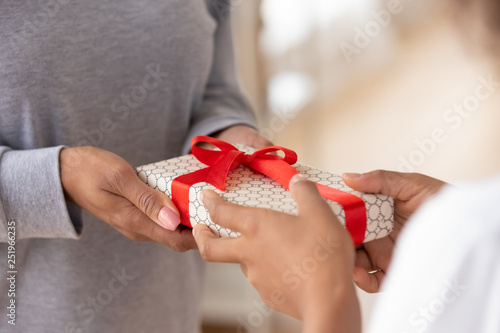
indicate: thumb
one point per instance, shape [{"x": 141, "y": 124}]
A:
[
  {"x": 153, "y": 203},
  {"x": 379, "y": 181},
  {"x": 306, "y": 195}
]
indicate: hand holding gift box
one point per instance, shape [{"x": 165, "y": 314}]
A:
[{"x": 260, "y": 179}]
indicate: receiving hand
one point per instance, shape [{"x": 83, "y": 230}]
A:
[
  {"x": 410, "y": 191},
  {"x": 301, "y": 265}
]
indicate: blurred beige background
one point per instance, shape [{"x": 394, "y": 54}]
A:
[{"x": 409, "y": 96}]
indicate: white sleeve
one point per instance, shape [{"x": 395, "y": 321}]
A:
[{"x": 445, "y": 275}]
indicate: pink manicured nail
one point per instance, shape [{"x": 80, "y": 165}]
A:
[
  {"x": 168, "y": 218},
  {"x": 351, "y": 175}
]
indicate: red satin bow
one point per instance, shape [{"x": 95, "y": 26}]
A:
[{"x": 221, "y": 162}]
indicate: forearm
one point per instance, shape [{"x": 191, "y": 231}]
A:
[{"x": 333, "y": 311}]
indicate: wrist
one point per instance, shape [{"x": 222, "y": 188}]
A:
[
  {"x": 334, "y": 308},
  {"x": 68, "y": 159}
]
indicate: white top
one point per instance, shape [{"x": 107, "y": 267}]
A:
[{"x": 445, "y": 275}]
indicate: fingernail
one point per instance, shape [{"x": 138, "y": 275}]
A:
[
  {"x": 168, "y": 218},
  {"x": 194, "y": 231},
  {"x": 201, "y": 196},
  {"x": 351, "y": 175},
  {"x": 297, "y": 178}
]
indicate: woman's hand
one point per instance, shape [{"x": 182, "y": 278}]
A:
[
  {"x": 244, "y": 135},
  {"x": 107, "y": 186},
  {"x": 301, "y": 265},
  {"x": 410, "y": 191}
]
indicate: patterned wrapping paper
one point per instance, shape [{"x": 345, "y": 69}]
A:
[{"x": 249, "y": 188}]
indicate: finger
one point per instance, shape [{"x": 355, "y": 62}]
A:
[
  {"x": 244, "y": 270},
  {"x": 229, "y": 215},
  {"x": 306, "y": 195},
  {"x": 260, "y": 142},
  {"x": 245, "y": 135},
  {"x": 255, "y": 140},
  {"x": 379, "y": 181},
  {"x": 363, "y": 260},
  {"x": 213, "y": 248},
  {"x": 137, "y": 222},
  {"x": 380, "y": 252},
  {"x": 402, "y": 186},
  {"x": 155, "y": 204},
  {"x": 369, "y": 282},
  {"x": 133, "y": 235},
  {"x": 180, "y": 240}
]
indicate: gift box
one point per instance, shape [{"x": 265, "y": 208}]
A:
[{"x": 259, "y": 178}]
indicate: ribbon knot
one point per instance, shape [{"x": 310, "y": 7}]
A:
[
  {"x": 227, "y": 158},
  {"x": 247, "y": 159}
]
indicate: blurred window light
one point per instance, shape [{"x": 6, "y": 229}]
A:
[
  {"x": 287, "y": 23},
  {"x": 290, "y": 22},
  {"x": 326, "y": 11},
  {"x": 290, "y": 91}
]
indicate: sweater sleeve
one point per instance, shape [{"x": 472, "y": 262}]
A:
[
  {"x": 32, "y": 196},
  {"x": 223, "y": 103}
]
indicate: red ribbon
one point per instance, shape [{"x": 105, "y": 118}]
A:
[{"x": 221, "y": 162}]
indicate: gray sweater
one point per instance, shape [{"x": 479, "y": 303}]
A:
[{"x": 139, "y": 78}]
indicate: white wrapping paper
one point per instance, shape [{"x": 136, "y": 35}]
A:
[{"x": 248, "y": 188}]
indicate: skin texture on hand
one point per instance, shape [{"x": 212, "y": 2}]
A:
[
  {"x": 107, "y": 186},
  {"x": 301, "y": 265},
  {"x": 244, "y": 135},
  {"x": 410, "y": 191}
]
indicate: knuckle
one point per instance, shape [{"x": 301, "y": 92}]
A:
[
  {"x": 147, "y": 202},
  {"x": 246, "y": 258},
  {"x": 260, "y": 141},
  {"x": 135, "y": 237},
  {"x": 308, "y": 187},
  {"x": 252, "y": 278},
  {"x": 127, "y": 218},
  {"x": 417, "y": 177},
  {"x": 379, "y": 173},
  {"x": 205, "y": 251},
  {"x": 213, "y": 211},
  {"x": 178, "y": 246},
  {"x": 311, "y": 186},
  {"x": 114, "y": 221},
  {"x": 248, "y": 225},
  {"x": 116, "y": 177}
]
